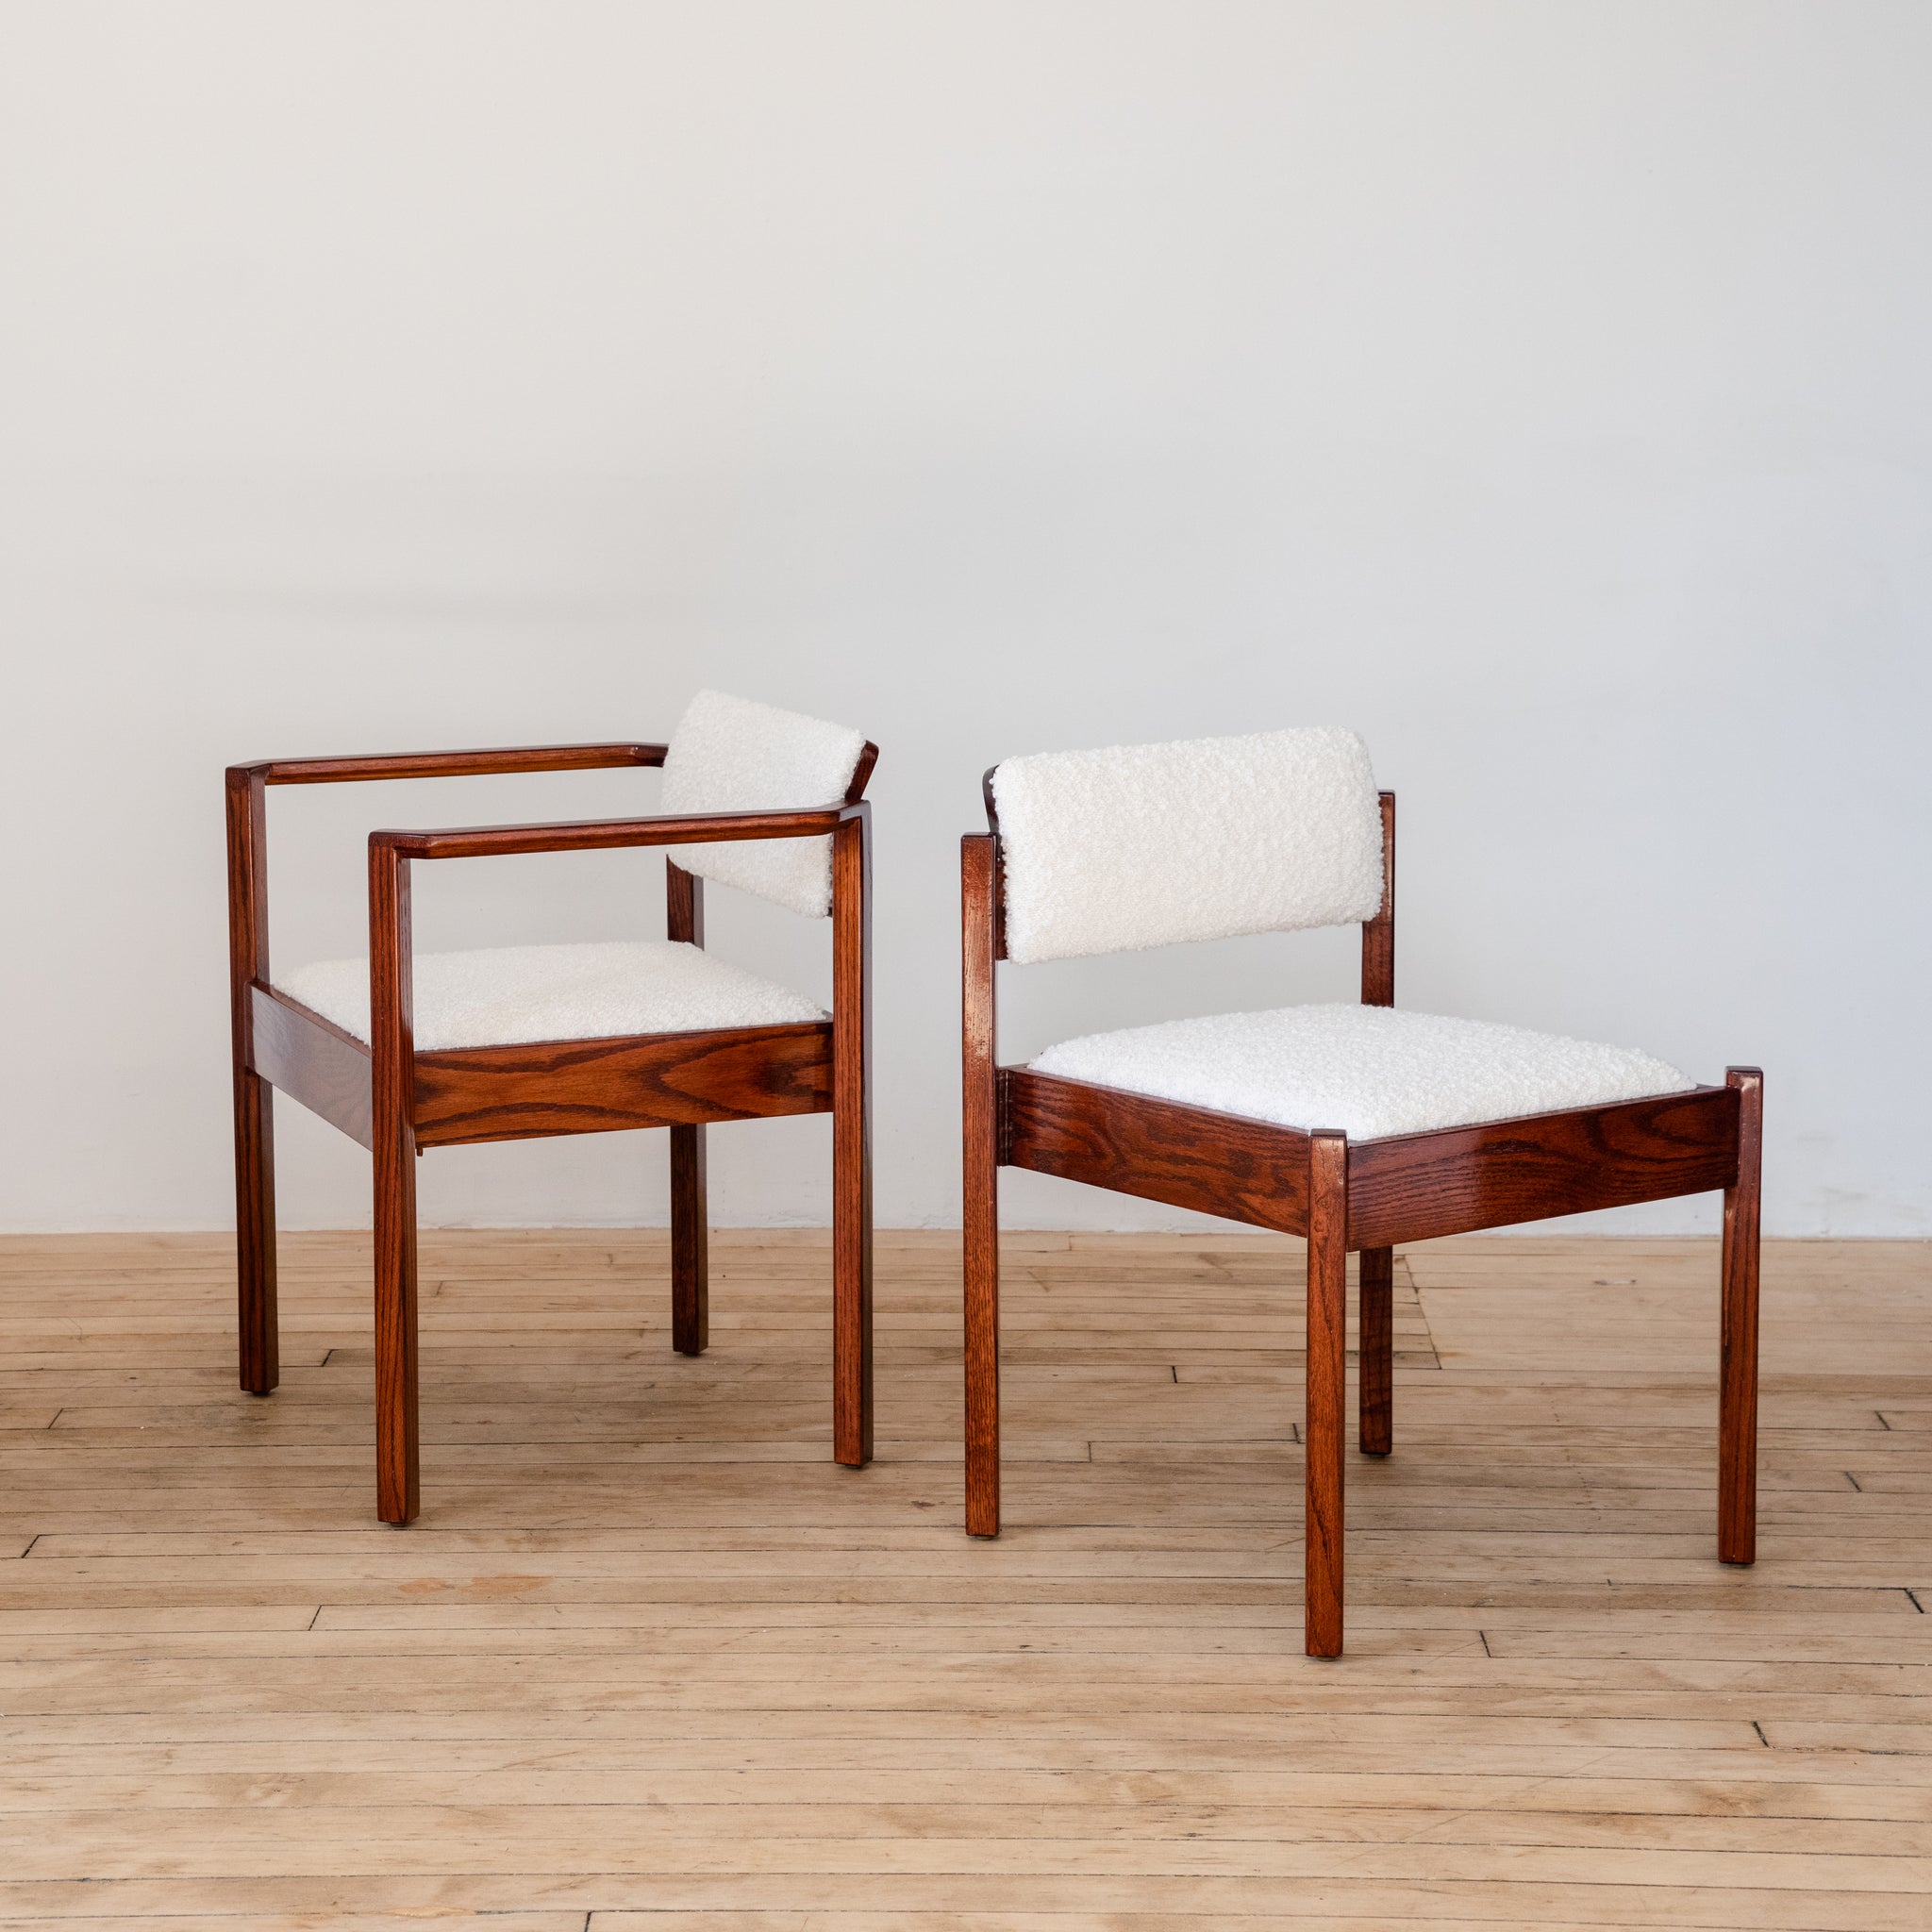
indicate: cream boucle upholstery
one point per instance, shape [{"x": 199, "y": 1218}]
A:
[
  {"x": 731, "y": 755},
  {"x": 1368, "y": 1071},
  {"x": 508, "y": 995},
  {"x": 1146, "y": 844}
]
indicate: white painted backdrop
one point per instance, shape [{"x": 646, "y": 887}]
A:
[{"x": 1542, "y": 389}]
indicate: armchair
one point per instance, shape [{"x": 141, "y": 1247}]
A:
[{"x": 404, "y": 1052}]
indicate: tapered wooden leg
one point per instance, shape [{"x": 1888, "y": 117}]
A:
[
  {"x": 255, "y": 1232},
  {"x": 1376, "y": 1351},
  {"x": 691, "y": 1298},
  {"x": 1737, "y": 1426},
  {"x": 852, "y": 1143},
  {"x": 1327, "y": 1389}
]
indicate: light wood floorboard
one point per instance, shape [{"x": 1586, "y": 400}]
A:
[{"x": 650, "y": 1661}]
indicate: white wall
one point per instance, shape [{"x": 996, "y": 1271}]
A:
[{"x": 1542, "y": 389}]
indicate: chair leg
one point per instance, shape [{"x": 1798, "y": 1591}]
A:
[
  {"x": 851, "y": 1288},
  {"x": 255, "y": 1232},
  {"x": 1737, "y": 1429},
  {"x": 1375, "y": 1353},
  {"x": 982, "y": 1236},
  {"x": 1327, "y": 1386},
  {"x": 691, "y": 1298},
  {"x": 398, "y": 1476},
  {"x": 852, "y": 1143}
]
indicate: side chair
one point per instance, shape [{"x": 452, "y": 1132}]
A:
[
  {"x": 1357, "y": 1127},
  {"x": 404, "y": 1052}
]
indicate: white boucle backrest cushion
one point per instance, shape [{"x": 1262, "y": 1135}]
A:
[
  {"x": 731, "y": 755},
  {"x": 1146, "y": 844}
]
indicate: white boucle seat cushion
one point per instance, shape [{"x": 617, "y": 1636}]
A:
[
  {"x": 510, "y": 995},
  {"x": 1368, "y": 1070},
  {"x": 1204, "y": 839},
  {"x": 731, "y": 754}
]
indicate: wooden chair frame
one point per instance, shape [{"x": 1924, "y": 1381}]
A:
[
  {"x": 397, "y": 1102},
  {"x": 1365, "y": 1197}
]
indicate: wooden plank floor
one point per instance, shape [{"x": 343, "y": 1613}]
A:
[{"x": 649, "y": 1660}]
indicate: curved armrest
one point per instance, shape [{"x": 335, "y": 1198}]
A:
[
  {"x": 598, "y": 835},
  {"x": 446, "y": 764}
]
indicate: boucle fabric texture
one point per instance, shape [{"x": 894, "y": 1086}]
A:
[
  {"x": 1148, "y": 844},
  {"x": 510, "y": 995},
  {"x": 731, "y": 755},
  {"x": 1368, "y": 1071}
]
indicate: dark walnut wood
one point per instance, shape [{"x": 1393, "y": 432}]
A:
[
  {"x": 852, "y": 1381},
  {"x": 606, "y": 1086},
  {"x": 391, "y": 1053},
  {"x": 1187, "y": 1157},
  {"x": 313, "y": 1060},
  {"x": 691, "y": 1237},
  {"x": 254, "y": 1099},
  {"x": 1375, "y": 1352},
  {"x": 1378, "y": 934},
  {"x": 454, "y": 764},
  {"x": 1364, "y": 1196},
  {"x": 1414, "y": 1187},
  {"x": 605, "y": 835},
  {"x": 1326, "y": 1393},
  {"x": 984, "y": 1149},
  {"x": 1737, "y": 1436},
  {"x": 397, "y": 1102}
]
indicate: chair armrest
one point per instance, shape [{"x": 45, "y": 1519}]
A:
[
  {"x": 599, "y": 835},
  {"x": 446, "y": 764}
]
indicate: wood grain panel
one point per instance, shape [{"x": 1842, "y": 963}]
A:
[
  {"x": 1461, "y": 1179},
  {"x": 1187, "y": 1156},
  {"x": 603, "y": 1086},
  {"x": 313, "y": 1061}
]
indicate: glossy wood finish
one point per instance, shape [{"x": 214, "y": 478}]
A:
[
  {"x": 454, "y": 764},
  {"x": 852, "y": 1391},
  {"x": 609, "y": 834},
  {"x": 312, "y": 1061},
  {"x": 1737, "y": 1467},
  {"x": 603, "y": 1086},
  {"x": 1406, "y": 1188},
  {"x": 1375, "y": 1352},
  {"x": 1413, "y": 1187},
  {"x": 861, "y": 772},
  {"x": 1131, "y": 1143},
  {"x": 546, "y": 1088},
  {"x": 398, "y": 1473},
  {"x": 1376, "y": 1346},
  {"x": 253, "y": 1100},
  {"x": 1378, "y": 934},
  {"x": 690, "y": 1290},
  {"x": 980, "y": 860},
  {"x": 1327, "y": 1395},
  {"x": 399, "y": 1102}
]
